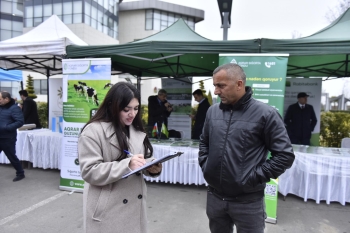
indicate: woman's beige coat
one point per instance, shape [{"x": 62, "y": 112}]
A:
[{"x": 111, "y": 204}]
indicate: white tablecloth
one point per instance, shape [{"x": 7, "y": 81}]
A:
[
  {"x": 40, "y": 147},
  {"x": 183, "y": 169},
  {"x": 322, "y": 176}
]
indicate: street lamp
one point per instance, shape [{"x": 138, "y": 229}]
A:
[{"x": 225, "y": 13}]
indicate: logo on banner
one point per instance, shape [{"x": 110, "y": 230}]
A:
[
  {"x": 76, "y": 68},
  {"x": 234, "y": 61},
  {"x": 245, "y": 63},
  {"x": 268, "y": 64}
]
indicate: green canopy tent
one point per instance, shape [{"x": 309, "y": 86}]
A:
[
  {"x": 175, "y": 52},
  {"x": 179, "y": 52},
  {"x": 323, "y": 54}
]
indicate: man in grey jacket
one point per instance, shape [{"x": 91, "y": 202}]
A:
[
  {"x": 11, "y": 118},
  {"x": 237, "y": 136}
]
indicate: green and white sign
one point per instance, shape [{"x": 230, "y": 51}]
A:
[
  {"x": 84, "y": 85},
  {"x": 266, "y": 74}
]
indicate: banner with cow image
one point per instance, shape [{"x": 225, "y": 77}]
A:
[
  {"x": 85, "y": 82},
  {"x": 266, "y": 74}
]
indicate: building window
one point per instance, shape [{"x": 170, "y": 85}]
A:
[
  {"x": 160, "y": 20},
  {"x": 10, "y": 87},
  {"x": 10, "y": 25},
  {"x": 95, "y": 13},
  {"x": 40, "y": 86}
]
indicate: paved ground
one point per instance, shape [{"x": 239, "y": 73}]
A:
[{"x": 36, "y": 205}]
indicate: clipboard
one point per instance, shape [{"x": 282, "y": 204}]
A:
[{"x": 150, "y": 164}]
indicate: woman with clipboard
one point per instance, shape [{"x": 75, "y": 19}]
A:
[{"x": 113, "y": 204}]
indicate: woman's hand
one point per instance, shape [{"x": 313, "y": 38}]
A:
[
  {"x": 155, "y": 168},
  {"x": 137, "y": 161}
]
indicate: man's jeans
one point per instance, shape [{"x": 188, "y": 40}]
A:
[
  {"x": 9, "y": 147},
  {"x": 248, "y": 217}
]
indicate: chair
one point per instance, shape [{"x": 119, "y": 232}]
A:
[{"x": 345, "y": 143}]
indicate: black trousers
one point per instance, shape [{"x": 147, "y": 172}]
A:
[
  {"x": 8, "y": 146},
  {"x": 248, "y": 217}
]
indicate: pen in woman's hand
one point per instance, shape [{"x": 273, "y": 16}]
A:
[{"x": 127, "y": 152}]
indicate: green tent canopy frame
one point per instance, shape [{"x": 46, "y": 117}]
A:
[{"x": 178, "y": 52}]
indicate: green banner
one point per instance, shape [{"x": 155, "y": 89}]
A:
[{"x": 266, "y": 74}]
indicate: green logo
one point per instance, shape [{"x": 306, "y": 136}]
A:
[{"x": 76, "y": 161}]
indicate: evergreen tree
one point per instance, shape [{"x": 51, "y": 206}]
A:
[
  {"x": 210, "y": 98},
  {"x": 30, "y": 87}
]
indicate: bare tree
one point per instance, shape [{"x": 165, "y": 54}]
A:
[
  {"x": 296, "y": 34},
  {"x": 334, "y": 13}
]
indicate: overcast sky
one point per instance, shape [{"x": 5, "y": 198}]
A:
[
  {"x": 262, "y": 18},
  {"x": 276, "y": 19}
]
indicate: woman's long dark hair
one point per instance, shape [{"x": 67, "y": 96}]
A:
[{"x": 117, "y": 98}]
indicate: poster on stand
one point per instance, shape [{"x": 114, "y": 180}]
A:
[
  {"x": 312, "y": 87},
  {"x": 83, "y": 82},
  {"x": 179, "y": 95},
  {"x": 266, "y": 74},
  {"x": 56, "y": 104}
]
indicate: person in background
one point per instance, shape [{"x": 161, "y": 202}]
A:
[
  {"x": 159, "y": 109},
  {"x": 237, "y": 136},
  {"x": 201, "y": 113},
  {"x": 113, "y": 204},
  {"x": 11, "y": 118},
  {"x": 29, "y": 109},
  {"x": 300, "y": 120}
]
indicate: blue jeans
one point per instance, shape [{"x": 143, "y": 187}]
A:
[
  {"x": 248, "y": 217},
  {"x": 8, "y": 146}
]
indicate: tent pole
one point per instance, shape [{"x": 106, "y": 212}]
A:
[
  {"x": 48, "y": 96},
  {"x": 22, "y": 85},
  {"x": 138, "y": 85},
  {"x": 346, "y": 65}
]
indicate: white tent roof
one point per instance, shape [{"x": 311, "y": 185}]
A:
[{"x": 39, "y": 50}]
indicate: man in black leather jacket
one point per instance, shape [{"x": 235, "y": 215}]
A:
[{"x": 237, "y": 135}]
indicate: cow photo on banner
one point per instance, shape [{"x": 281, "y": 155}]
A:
[
  {"x": 86, "y": 84},
  {"x": 266, "y": 75}
]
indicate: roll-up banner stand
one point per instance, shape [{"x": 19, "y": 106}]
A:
[
  {"x": 312, "y": 87},
  {"x": 83, "y": 85},
  {"x": 179, "y": 95},
  {"x": 266, "y": 74}
]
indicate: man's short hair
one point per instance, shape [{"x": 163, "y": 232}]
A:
[
  {"x": 198, "y": 92},
  {"x": 162, "y": 92},
  {"x": 5, "y": 95},
  {"x": 23, "y": 92},
  {"x": 232, "y": 71}
]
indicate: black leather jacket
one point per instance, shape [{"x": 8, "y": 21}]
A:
[{"x": 234, "y": 146}]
